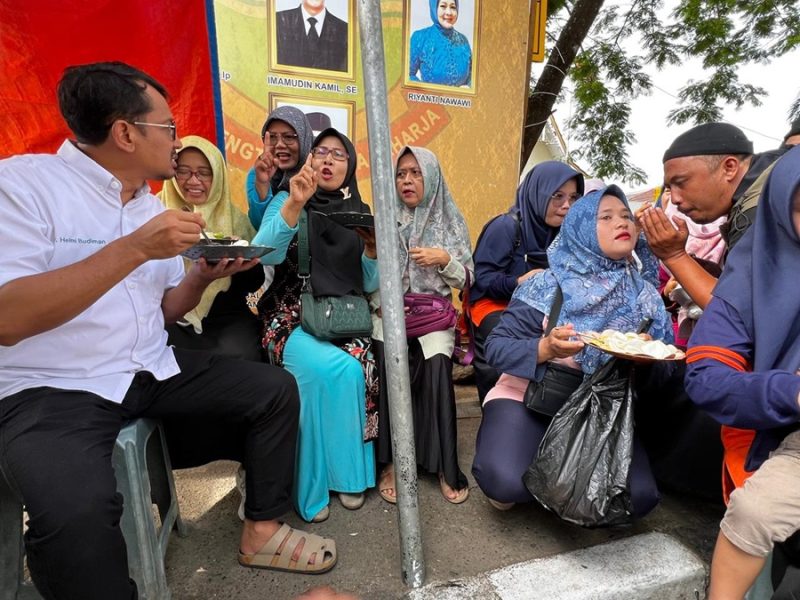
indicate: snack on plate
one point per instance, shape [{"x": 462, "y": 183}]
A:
[
  {"x": 631, "y": 344},
  {"x": 222, "y": 240}
]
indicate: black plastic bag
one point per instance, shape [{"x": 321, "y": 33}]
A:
[{"x": 581, "y": 469}]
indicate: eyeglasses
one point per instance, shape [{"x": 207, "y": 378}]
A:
[
  {"x": 287, "y": 138},
  {"x": 560, "y": 198},
  {"x": 336, "y": 153},
  {"x": 403, "y": 173},
  {"x": 173, "y": 129},
  {"x": 202, "y": 173}
]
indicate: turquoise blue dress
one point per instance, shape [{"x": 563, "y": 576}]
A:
[{"x": 331, "y": 452}]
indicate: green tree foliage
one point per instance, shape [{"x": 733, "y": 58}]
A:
[{"x": 606, "y": 60}]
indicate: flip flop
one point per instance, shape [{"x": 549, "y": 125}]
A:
[
  {"x": 387, "y": 483},
  {"x": 461, "y": 496},
  {"x": 269, "y": 558}
]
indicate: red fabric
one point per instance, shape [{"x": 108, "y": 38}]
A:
[
  {"x": 736, "y": 443},
  {"x": 485, "y": 306},
  {"x": 39, "y": 38}
]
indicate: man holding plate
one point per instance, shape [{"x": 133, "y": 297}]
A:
[{"x": 89, "y": 275}]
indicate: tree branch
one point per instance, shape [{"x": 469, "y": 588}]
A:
[{"x": 543, "y": 97}]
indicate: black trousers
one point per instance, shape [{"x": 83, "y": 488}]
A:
[{"x": 55, "y": 452}]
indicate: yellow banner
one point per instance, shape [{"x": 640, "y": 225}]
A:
[{"x": 457, "y": 84}]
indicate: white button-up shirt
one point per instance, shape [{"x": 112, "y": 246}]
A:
[{"x": 56, "y": 210}]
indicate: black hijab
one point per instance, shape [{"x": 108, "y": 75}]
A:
[{"x": 336, "y": 250}]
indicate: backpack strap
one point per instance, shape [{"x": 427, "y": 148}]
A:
[
  {"x": 303, "y": 254},
  {"x": 517, "y": 236},
  {"x": 555, "y": 310}
]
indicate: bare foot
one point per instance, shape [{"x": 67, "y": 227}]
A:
[
  {"x": 325, "y": 592},
  {"x": 387, "y": 487},
  {"x": 452, "y": 495}
]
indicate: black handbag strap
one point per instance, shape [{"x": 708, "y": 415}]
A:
[
  {"x": 555, "y": 310},
  {"x": 303, "y": 256}
]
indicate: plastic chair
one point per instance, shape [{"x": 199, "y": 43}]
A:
[{"x": 144, "y": 477}]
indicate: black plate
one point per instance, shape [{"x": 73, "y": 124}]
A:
[
  {"x": 353, "y": 219},
  {"x": 218, "y": 250}
]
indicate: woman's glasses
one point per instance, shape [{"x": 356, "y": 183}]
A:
[
  {"x": 186, "y": 173},
  {"x": 560, "y": 198},
  {"x": 287, "y": 138},
  {"x": 335, "y": 153}
]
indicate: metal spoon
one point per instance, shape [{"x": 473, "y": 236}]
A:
[{"x": 202, "y": 231}]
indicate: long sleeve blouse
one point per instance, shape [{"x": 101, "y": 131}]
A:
[
  {"x": 276, "y": 233},
  {"x": 256, "y": 207},
  {"x": 719, "y": 380},
  {"x": 499, "y": 260},
  {"x": 513, "y": 345}
]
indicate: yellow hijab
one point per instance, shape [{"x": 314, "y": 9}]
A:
[{"x": 221, "y": 217}]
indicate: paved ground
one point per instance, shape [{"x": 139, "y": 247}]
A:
[{"x": 459, "y": 541}]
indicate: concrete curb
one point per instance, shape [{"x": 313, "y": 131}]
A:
[{"x": 651, "y": 566}]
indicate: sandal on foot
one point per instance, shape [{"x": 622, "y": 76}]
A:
[
  {"x": 387, "y": 486},
  {"x": 269, "y": 558},
  {"x": 351, "y": 501},
  {"x": 461, "y": 495}
]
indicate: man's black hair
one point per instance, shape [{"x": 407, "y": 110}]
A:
[{"x": 92, "y": 96}]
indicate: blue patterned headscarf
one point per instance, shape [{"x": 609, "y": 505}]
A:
[{"x": 599, "y": 293}]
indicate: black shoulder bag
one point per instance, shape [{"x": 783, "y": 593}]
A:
[
  {"x": 328, "y": 317},
  {"x": 559, "y": 381}
]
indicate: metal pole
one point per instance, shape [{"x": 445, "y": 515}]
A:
[{"x": 394, "y": 324}]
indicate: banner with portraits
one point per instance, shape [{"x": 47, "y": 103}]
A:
[{"x": 457, "y": 76}]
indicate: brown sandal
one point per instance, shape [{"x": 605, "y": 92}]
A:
[
  {"x": 461, "y": 495},
  {"x": 269, "y": 558},
  {"x": 387, "y": 484}
]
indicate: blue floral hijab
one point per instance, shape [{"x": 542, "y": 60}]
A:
[{"x": 599, "y": 293}]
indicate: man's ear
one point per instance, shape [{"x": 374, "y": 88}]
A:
[
  {"x": 122, "y": 135},
  {"x": 730, "y": 167}
]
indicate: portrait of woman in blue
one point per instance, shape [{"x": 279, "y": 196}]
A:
[{"x": 439, "y": 54}]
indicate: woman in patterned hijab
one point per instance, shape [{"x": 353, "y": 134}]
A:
[
  {"x": 592, "y": 261},
  {"x": 436, "y": 254}
]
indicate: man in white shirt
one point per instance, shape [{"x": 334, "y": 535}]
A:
[{"x": 89, "y": 275}]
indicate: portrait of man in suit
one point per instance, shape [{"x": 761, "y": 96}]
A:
[{"x": 310, "y": 36}]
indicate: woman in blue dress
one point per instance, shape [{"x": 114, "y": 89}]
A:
[
  {"x": 439, "y": 53},
  {"x": 337, "y": 380}
]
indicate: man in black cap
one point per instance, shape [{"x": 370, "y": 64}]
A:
[
  {"x": 709, "y": 170},
  {"x": 793, "y": 137}
]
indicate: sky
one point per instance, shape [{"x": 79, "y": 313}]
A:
[{"x": 765, "y": 125}]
